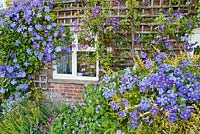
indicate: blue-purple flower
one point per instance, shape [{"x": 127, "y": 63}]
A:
[
  {"x": 189, "y": 25},
  {"x": 13, "y": 82},
  {"x": 48, "y": 18},
  {"x": 23, "y": 87},
  {"x": 108, "y": 94},
  {"x": 125, "y": 103},
  {"x": 143, "y": 55},
  {"x": 161, "y": 101},
  {"x": 172, "y": 117},
  {"x": 134, "y": 116},
  {"x": 96, "y": 11},
  {"x": 17, "y": 96},
  {"x": 26, "y": 64},
  {"x": 178, "y": 72},
  {"x": 144, "y": 105},
  {"x": 115, "y": 106},
  {"x": 122, "y": 88},
  {"x": 119, "y": 132},
  {"x": 147, "y": 64},
  {"x": 160, "y": 57},
  {"x": 2, "y": 91},
  {"x": 21, "y": 74},
  {"x": 133, "y": 124},
  {"x": 121, "y": 114},
  {"x": 11, "y": 98},
  {"x": 154, "y": 110},
  {"x": 185, "y": 114}
]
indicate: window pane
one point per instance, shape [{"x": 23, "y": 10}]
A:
[
  {"x": 86, "y": 64},
  {"x": 65, "y": 65}
]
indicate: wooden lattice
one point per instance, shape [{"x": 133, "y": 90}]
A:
[
  {"x": 153, "y": 10},
  {"x": 41, "y": 80},
  {"x": 70, "y": 12}
]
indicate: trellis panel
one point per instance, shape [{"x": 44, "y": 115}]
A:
[{"x": 41, "y": 80}]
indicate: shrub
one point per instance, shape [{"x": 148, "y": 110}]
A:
[
  {"x": 162, "y": 99},
  {"x": 29, "y": 39},
  {"x": 169, "y": 91}
]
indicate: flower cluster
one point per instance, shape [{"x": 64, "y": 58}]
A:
[
  {"x": 170, "y": 91},
  {"x": 114, "y": 23},
  {"x": 29, "y": 39},
  {"x": 43, "y": 128},
  {"x": 95, "y": 12},
  {"x": 169, "y": 23}
]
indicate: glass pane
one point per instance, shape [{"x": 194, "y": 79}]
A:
[
  {"x": 65, "y": 65},
  {"x": 1, "y": 5},
  {"x": 86, "y": 64}
]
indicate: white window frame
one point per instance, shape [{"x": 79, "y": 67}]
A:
[
  {"x": 194, "y": 37},
  {"x": 3, "y": 4},
  {"x": 74, "y": 75}
]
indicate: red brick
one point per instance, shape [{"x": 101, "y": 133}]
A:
[
  {"x": 77, "y": 91},
  {"x": 71, "y": 94},
  {"x": 63, "y": 94},
  {"x": 77, "y": 98},
  {"x": 54, "y": 90},
  {"x": 68, "y": 91},
  {"x": 69, "y": 97}
]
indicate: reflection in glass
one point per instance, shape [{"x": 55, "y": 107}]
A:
[
  {"x": 86, "y": 64},
  {"x": 65, "y": 65}
]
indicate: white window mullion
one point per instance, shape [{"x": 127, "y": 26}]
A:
[
  {"x": 74, "y": 57},
  {"x": 74, "y": 63}
]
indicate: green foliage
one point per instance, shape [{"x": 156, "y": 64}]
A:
[
  {"x": 174, "y": 1},
  {"x": 24, "y": 117},
  {"x": 29, "y": 115},
  {"x": 29, "y": 41},
  {"x": 94, "y": 116},
  {"x": 97, "y": 115},
  {"x": 110, "y": 34},
  {"x": 197, "y": 50}
]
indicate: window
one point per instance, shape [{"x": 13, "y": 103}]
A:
[
  {"x": 80, "y": 65},
  {"x": 195, "y": 38}
]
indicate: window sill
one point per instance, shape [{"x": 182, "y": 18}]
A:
[{"x": 72, "y": 81}]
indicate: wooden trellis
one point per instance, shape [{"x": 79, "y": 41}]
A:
[
  {"x": 69, "y": 13},
  {"x": 41, "y": 80},
  {"x": 153, "y": 10}
]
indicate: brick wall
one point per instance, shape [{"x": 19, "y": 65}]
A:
[{"x": 70, "y": 93}]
